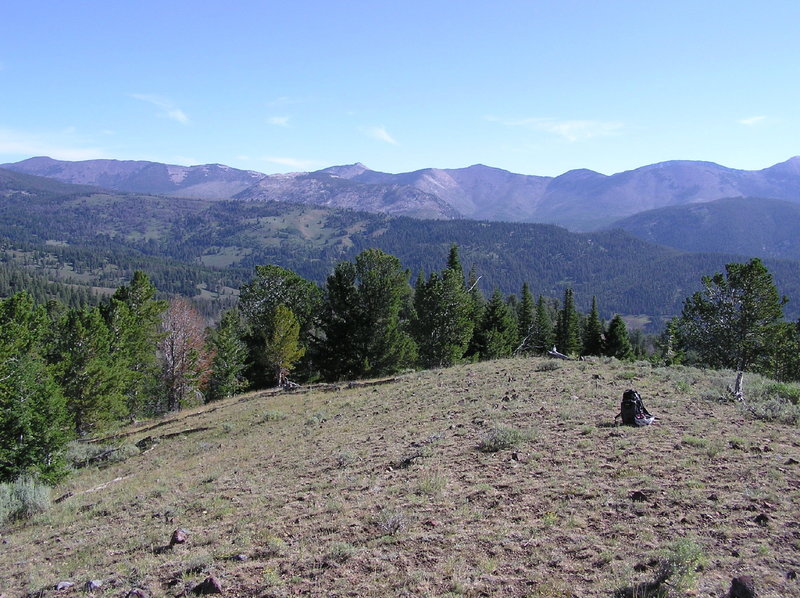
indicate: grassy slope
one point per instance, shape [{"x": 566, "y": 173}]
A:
[{"x": 312, "y": 498}]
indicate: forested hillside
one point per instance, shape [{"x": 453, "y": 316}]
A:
[{"x": 208, "y": 249}]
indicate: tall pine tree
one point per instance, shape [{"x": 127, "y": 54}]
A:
[
  {"x": 568, "y": 339},
  {"x": 593, "y": 332}
]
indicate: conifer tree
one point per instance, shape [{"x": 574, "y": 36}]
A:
[
  {"x": 593, "y": 332},
  {"x": 477, "y": 304},
  {"x": 526, "y": 316},
  {"x": 34, "y": 424},
  {"x": 442, "y": 326},
  {"x": 259, "y": 300},
  {"x": 618, "y": 343},
  {"x": 283, "y": 349},
  {"x": 497, "y": 332},
  {"x": 133, "y": 316},
  {"x": 364, "y": 331},
  {"x": 730, "y": 323},
  {"x": 229, "y": 357},
  {"x": 543, "y": 334},
  {"x": 568, "y": 339},
  {"x": 92, "y": 380}
]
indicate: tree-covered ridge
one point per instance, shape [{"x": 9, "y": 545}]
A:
[{"x": 198, "y": 247}]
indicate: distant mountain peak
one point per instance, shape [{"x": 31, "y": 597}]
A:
[{"x": 346, "y": 171}]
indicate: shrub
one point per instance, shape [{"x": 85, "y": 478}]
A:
[
  {"x": 22, "y": 499},
  {"x": 500, "y": 438}
]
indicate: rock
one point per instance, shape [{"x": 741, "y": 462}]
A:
[
  {"x": 179, "y": 536},
  {"x": 210, "y": 585},
  {"x": 792, "y": 574},
  {"x": 638, "y": 496},
  {"x": 64, "y": 585},
  {"x": 93, "y": 584},
  {"x": 742, "y": 587},
  {"x": 241, "y": 557},
  {"x": 761, "y": 520},
  {"x": 136, "y": 593}
]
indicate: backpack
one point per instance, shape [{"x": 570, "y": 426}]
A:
[{"x": 632, "y": 410}]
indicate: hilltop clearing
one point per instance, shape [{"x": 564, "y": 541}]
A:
[{"x": 503, "y": 478}]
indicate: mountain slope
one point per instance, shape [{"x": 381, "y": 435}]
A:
[
  {"x": 767, "y": 228},
  {"x": 579, "y": 199},
  {"x": 210, "y": 181}
]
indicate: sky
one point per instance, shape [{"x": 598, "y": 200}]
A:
[{"x": 535, "y": 87}]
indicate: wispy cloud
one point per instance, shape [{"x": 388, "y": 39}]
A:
[
  {"x": 752, "y": 121},
  {"x": 15, "y": 143},
  {"x": 167, "y": 107},
  {"x": 571, "y": 130},
  {"x": 291, "y": 162},
  {"x": 379, "y": 133},
  {"x": 279, "y": 121}
]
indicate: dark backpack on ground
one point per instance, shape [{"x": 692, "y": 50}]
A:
[{"x": 632, "y": 410}]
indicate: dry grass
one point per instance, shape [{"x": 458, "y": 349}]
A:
[{"x": 385, "y": 491}]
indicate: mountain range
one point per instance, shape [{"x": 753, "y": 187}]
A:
[{"x": 581, "y": 200}]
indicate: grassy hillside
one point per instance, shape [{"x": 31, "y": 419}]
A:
[{"x": 503, "y": 478}]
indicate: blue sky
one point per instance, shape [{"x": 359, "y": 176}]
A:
[{"x": 534, "y": 87}]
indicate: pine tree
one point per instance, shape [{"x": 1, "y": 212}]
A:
[
  {"x": 526, "y": 317},
  {"x": 730, "y": 323},
  {"x": 568, "y": 339},
  {"x": 442, "y": 326},
  {"x": 229, "y": 357},
  {"x": 477, "y": 304},
  {"x": 34, "y": 424},
  {"x": 593, "y": 333},
  {"x": 497, "y": 333},
  {"x": 543, "y": 334},
  {"x": 133, "y": 316},
  {"x": 283, "y": 348},
  {"x": 259, "y": 300},
  {"x": 362, "y": 324},
  {"x": 617, "y": 342},
  {"x": 92, "y": 380}
]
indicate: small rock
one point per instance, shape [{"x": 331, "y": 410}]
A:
[
  {"x": 761, "y": 520},
  {"x": 638, "y": 496},
  {"x": 64, "y": 585},
  {"x": 93, "y": 584},
  {"x": 791, "y": 461},
  {"x": 792, "y": 574},
  {"x": 742, "y": 587},
  {"x": 210, "y": 585},
  {"x": 136, "y": 593},
  {"x": 179, "y": 536}
]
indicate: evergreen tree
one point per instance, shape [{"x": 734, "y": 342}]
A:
[
  {"x": 543, "y": 334},
  {"x": 454, "y": 262},
  {"x": 363, "y": 328},
  {"x": 497, "y": 334},
  {"x": 229, "y": 357},
  {"x": 526, "y": 317},
  {"x": 477, "y": 304},
  {"x": 34, "y": 424},
  {"x": 133, "y": 316},
  {"x": 283, "y": 349},
  {"x": 617, "y": 342},
  {"x": 442, "y": 326},
  {"x": 92, "y": 380},
  {"x": 259, "y": 300},
  {"x": 731, "y": 322},
  {"x": 568, "y": 340},
  {"x": 593, "y": 333}
]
